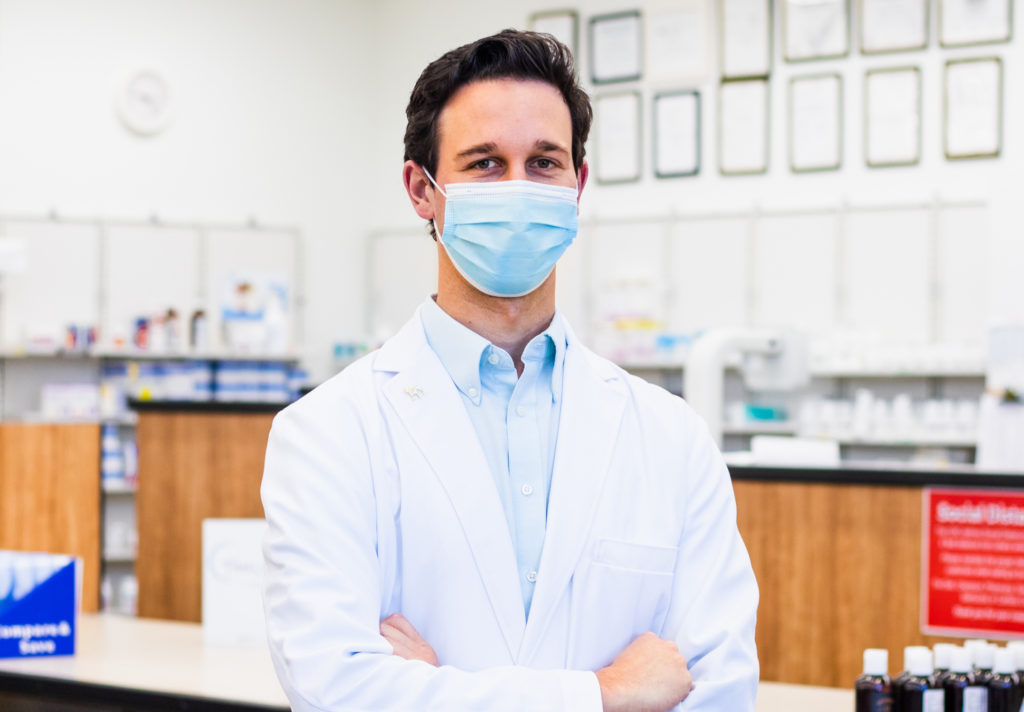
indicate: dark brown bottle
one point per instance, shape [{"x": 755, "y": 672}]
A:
[
  {"x": 962, "y": 694},
  {"x": 873, "y": 689},
  {"x": 916, "y": 693},
  {"x": 1003, "y": 683}
]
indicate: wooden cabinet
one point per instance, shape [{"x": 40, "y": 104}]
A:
[
  {"x": 193, "y": 465},
  {"x": 839, "y": 568},
  {"x": 50, "y": 494}
]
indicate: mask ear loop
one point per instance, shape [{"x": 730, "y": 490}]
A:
[{"x": 427, "y": 173}]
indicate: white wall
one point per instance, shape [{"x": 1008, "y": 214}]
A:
[
  {"x": 988, "y": 286},
  {"x": 271, "y": 122},
  {"x": 293, "y": 113}
]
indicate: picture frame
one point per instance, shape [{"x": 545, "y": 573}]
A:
[
  {"x": 892, "y": 117},
  {"x": 677, "y": 133},
  {"x": 815, "y": 123},
  {"x": 894, "y": 25},
  {"x": 745, "y": 43},
  {"x": 617, "y": 137},
  {"x": 963, "y": 23},
  {"x": 563, "y": 25},
  {"x": 616, "y": 47},
  {"x": 972, "y": 108},
  {"x": 743, "y": 126},
  {"x": 818, "y": 30},
  {"x": 677, "y": 38}
]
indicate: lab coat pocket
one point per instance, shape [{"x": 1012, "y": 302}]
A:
[{"x": 621, "y": 590}]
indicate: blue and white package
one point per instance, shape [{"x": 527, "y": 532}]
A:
[{"x": 39, "y": 600}]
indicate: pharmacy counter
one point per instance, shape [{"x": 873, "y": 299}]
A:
[
  {"x": 137, "y": 664},
  {"x": 837, "y": 555}
]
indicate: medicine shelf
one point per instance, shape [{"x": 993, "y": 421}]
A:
[
  {"x": 136, "y": 355},
  {"x": 118, "y": 488}
]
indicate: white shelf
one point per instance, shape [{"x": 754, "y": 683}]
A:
[
  {"x": 118, "y": 488},
  {"x": 118, "y": 557},
  {"x": 765, "y": 428},
  {"x": 921, "y": 440},
  {"x": 898, "y": 373},
  {"x": 135, "y": 355}
]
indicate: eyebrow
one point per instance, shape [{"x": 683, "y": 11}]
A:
[{"x": 491, "y": 147}]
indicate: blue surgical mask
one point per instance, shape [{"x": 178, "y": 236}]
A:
[{"x": 504, "y": 237}]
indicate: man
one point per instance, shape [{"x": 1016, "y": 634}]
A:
[{"x": 484, "y": 515}]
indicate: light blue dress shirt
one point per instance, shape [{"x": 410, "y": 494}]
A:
[{"x": 516, "y": 421}]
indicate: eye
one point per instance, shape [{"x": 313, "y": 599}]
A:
[
  {"x": 545, "y": 163},
  {"x": 485, "y": 164}
]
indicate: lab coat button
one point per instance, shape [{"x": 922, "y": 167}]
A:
[
  {"x": 520, "y": 411},
  {"x": 472, "y": 392},
  {"x": 493, "y": 359},
  {"x": 531, "y": 577},
  {"x": 527, "y": 490}
]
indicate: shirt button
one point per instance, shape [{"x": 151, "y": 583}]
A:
[
  {"x": 520, "y": 411},
  {"x": 472, "y": 392},
  {"x": 531, "y": 577},
  {"x": 527, "y": 490},
  {"x": 493, "y": 359}
]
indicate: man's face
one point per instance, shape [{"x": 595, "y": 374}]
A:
[{"x": 504, "y": 129}]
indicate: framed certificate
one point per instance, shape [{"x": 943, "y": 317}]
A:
[
  {"x": 973, "y": 108},
  {"x": 815, "y": 123},
  {"x": 617, "y": 139},
  {"x": 745, "y": 44},
  {"x": 892, "y": 117},
  {"x": 815, "y": 30},
  {"x": 677, "y": 41},
  {"x": 893, "y": 25},
  {"x": 743, "y": 127},
  {"x": 970, "y": 22},
  {"x": 677, "y": 134},
  {"x": 616, "y": 47},
  {"x": 563, "y": 25}
]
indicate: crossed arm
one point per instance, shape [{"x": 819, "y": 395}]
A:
[{"x": 650, "y": 675}]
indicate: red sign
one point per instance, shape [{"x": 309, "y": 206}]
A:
[{"x": 973, "y": 568}]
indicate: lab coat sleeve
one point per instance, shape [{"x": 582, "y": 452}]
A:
[
  {"x": 713, "y": 613},
  {"x": 322, "y": 588}
]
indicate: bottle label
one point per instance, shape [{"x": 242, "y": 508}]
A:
[
  {"x": 934, "y": 701},
  {"x": 878, "y": 702},
  {"x": 976, "y": 699}
]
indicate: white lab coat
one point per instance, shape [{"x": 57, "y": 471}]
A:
[{"x": 379, "y": 500}]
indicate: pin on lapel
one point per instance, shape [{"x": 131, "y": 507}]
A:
[{"x": 414, "y": 392}]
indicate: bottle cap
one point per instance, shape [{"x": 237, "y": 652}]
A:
[
  {"x": 943, "y": 651},
  {"x": 972, "y": 646},
  {"x": 1005, "y": 661},
  {"x": 920, "y": 662},
  {"x": 984, "y": 657},
  {"x": 909, "y": 654},
  {"x": 1017, "y": 646},
  {"x": 876, "y": 661},
  {"x": 960, "y": 660}
]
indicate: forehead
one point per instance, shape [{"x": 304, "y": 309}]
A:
[{"x": 504, "y": 112}]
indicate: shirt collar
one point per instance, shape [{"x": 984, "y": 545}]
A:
[{"x": 461, "y": 349}]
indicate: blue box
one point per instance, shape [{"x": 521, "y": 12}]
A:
[{"x": 39, "y": 601}]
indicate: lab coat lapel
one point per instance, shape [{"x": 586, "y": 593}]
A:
[
  {"x": 429, "y": 405},
  {"x": 592, "y": 408}
]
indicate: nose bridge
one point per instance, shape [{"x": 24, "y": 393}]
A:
[{"x": 516, "y": 171}]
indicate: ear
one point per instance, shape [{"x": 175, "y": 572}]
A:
[
  {"x": 420, "y": 190},
  {"x": 581, "y": 178}
]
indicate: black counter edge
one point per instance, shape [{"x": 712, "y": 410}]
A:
[
  {"x": 872, "y": 476},
  {"x": 36, "y": 687},
  {"x": 172, "y": 406}
]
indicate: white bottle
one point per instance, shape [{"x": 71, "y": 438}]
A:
[{"x": 129, "y": 595}]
